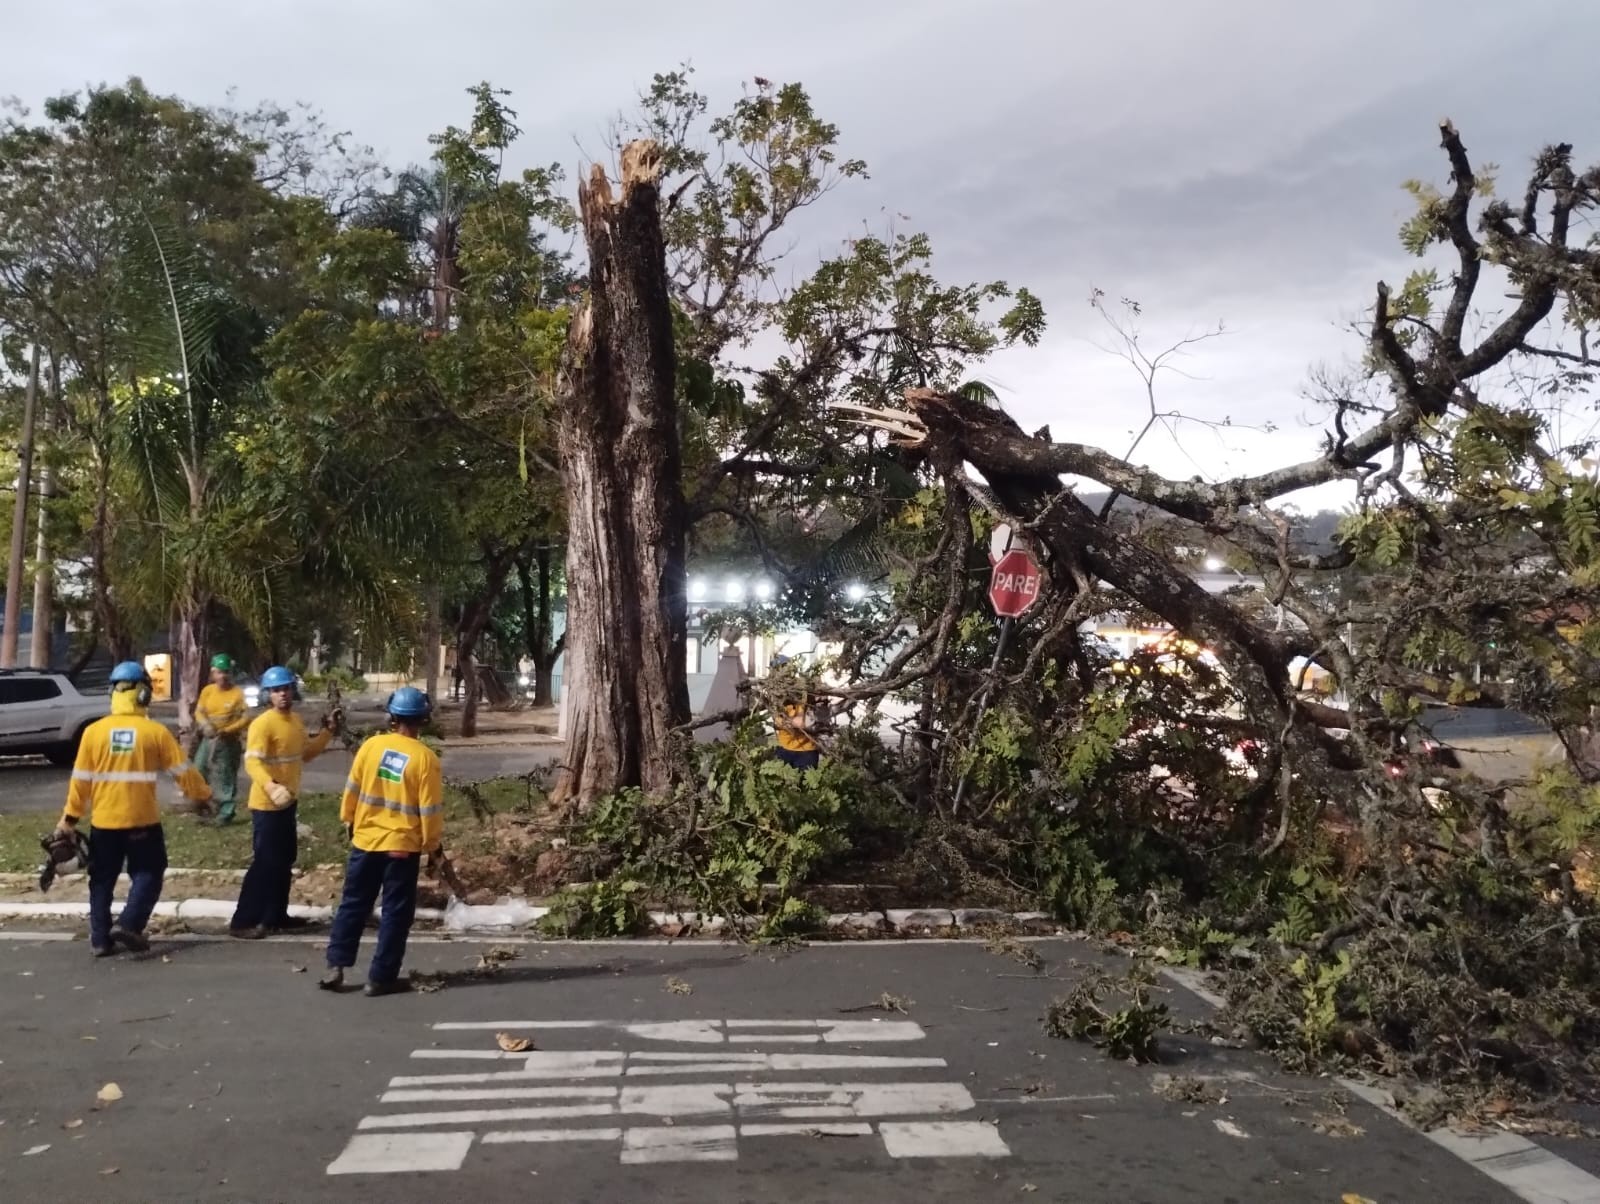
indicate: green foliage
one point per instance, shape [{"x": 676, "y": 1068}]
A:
[
  {"x": 1319, "y": 987},
  {"x": 598, "y": 910},
  {"x": 741, "y": 840},
  {"x": 1126, "y": 1033},
  {"x": 347, "y": 680}
]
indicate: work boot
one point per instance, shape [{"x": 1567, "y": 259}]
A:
[
  {"x": 332, "y": 979},
  {"x": 103, "y": 950},
  {"x": 135, "y": 942},
  {"x": 247, "y": 934},
  {"x": 395, "y": 987}
]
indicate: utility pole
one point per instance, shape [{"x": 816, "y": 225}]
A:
[
  {"x": 19, "y": 521},
  {"x": 44, "y": 571}
]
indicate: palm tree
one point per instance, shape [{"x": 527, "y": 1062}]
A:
[{"x": 424, "y": 210}]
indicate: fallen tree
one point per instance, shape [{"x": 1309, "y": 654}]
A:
[{"x": 1215, "y": 812}]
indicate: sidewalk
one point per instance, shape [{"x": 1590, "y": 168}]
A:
[{"x": 498, "y": 727}]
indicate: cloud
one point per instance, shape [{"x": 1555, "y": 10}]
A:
[{"x": 1215, "y": 161}]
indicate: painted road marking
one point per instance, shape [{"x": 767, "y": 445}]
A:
[
  {"x": 711, "y": 1143},
  {"x": 942, "y": 1139},
  {"x": 789, "y": 1101},
  {"x": 607, "y": 1063},
  {"x": 711, "y": 1032},
  {"x": 369, "y": 1154},
  {"x": 551, "y": 1096},
  {"x": 511, "y": 1136}
]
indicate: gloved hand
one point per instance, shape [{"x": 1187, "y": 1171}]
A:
[
  {"x": 279, "y": 794},
  {"x": 63, "y": 831},
  {"x": 435, "y": 861},
  {"x": 349, "y": 831}
]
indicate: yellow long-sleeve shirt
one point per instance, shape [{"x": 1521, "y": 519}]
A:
[
  {"x": 119, "y": 762},
  {"x": 395, "y": 796},
  {"x": 274, "y": 751},
  {"x": 223, "y": 709},
  {"x": 794, "y": 739}
]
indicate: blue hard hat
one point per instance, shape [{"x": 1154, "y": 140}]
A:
[
  {"x": 129, "y": 673},
  {"x": 276, "y": 678},
  {"x": 408, "y": 702}
]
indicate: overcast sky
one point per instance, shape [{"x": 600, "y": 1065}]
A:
[{"x": 1242, "y": 168}]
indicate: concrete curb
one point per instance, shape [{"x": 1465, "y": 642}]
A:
[
  {"x": 890, "y": 922},
  {"x": 1524, "y": 1168}
]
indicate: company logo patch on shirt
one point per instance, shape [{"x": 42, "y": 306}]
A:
[
  {"x": 122, "y": 739},
  {"x": 392, "y": 767}
]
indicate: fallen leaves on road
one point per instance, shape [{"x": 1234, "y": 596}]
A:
[
  {"x": 73, "y": 1124},
  {"x": 1351, "y": 1197},
  {"x": 1228, "y": 1128},
  {"x": 35, "y": 1149},
  {"x": 1184, "y": 1089},
  {"x": 1029, "y": 1187},
  {"x": 1335, "y": 1126},
  {"x": 111, "y": 1170},
  {"x": 297, "y": 969},
  {"x": 427, "y": 981},
  {"x": 677, "y": 986},
  {"x": 884, "y": 1003},
  {"x": 109, "y": 1094},
  {"x": 1010, "y": 946},
  {"x": 513, "y": 1044},
  {"x": 497, "y": 956}
]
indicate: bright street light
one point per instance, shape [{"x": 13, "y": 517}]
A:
[
  {"x": 855, "y": 591},
  {"x": 1213, "y": 564},
  {"x": 763, "y": 589},
  {"x": 733, "y": 591},
  {"x": 697, "y": 590}
]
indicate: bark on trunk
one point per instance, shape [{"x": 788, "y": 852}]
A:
[
  {"x": 10, "y": 633},
  {"x": 620, "y": 458},
  {"x": 474, "y": 620},
  {"x": 112, "y": 631},
  {"x": 537, "y": 621},
  {"x": 191, "y": 633},
  {"x": 432, "y": 638},
  {"x": 44, "y": 569}
]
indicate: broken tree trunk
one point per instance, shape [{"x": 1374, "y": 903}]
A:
[{"x": 627, "y": 584}]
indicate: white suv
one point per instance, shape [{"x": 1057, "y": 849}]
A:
[{"x": 43, "y": 712}]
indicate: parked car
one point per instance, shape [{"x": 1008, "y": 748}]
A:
[{"x": 43, "y": 713}]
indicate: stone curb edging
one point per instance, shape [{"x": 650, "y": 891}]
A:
[
  {"x": 1525, "y": 1168},
  {"x": 892, "y": 921}
]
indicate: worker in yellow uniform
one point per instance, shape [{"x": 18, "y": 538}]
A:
[
  {"x": 222, "y": 718},
  {"x": 114, "y": 780},
  {"x": 795, "y": 745},
  {"x": 276, "y": 749},
  {"x": 393, "y": 807}
]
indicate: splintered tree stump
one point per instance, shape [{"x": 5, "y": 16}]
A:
[{"x": 622, "y": 466}]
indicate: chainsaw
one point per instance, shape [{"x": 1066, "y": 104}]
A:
[{"x": 64, "y": 854}]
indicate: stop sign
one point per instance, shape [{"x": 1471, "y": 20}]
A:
[{"x": 1014, "y": 584}]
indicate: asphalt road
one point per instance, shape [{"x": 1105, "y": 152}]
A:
[
  {"x": 32, "y": 784},
  {"x": 675, "y": 1074}
]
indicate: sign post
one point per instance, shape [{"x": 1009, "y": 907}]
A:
[{"x": 1015, "y": 584}]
